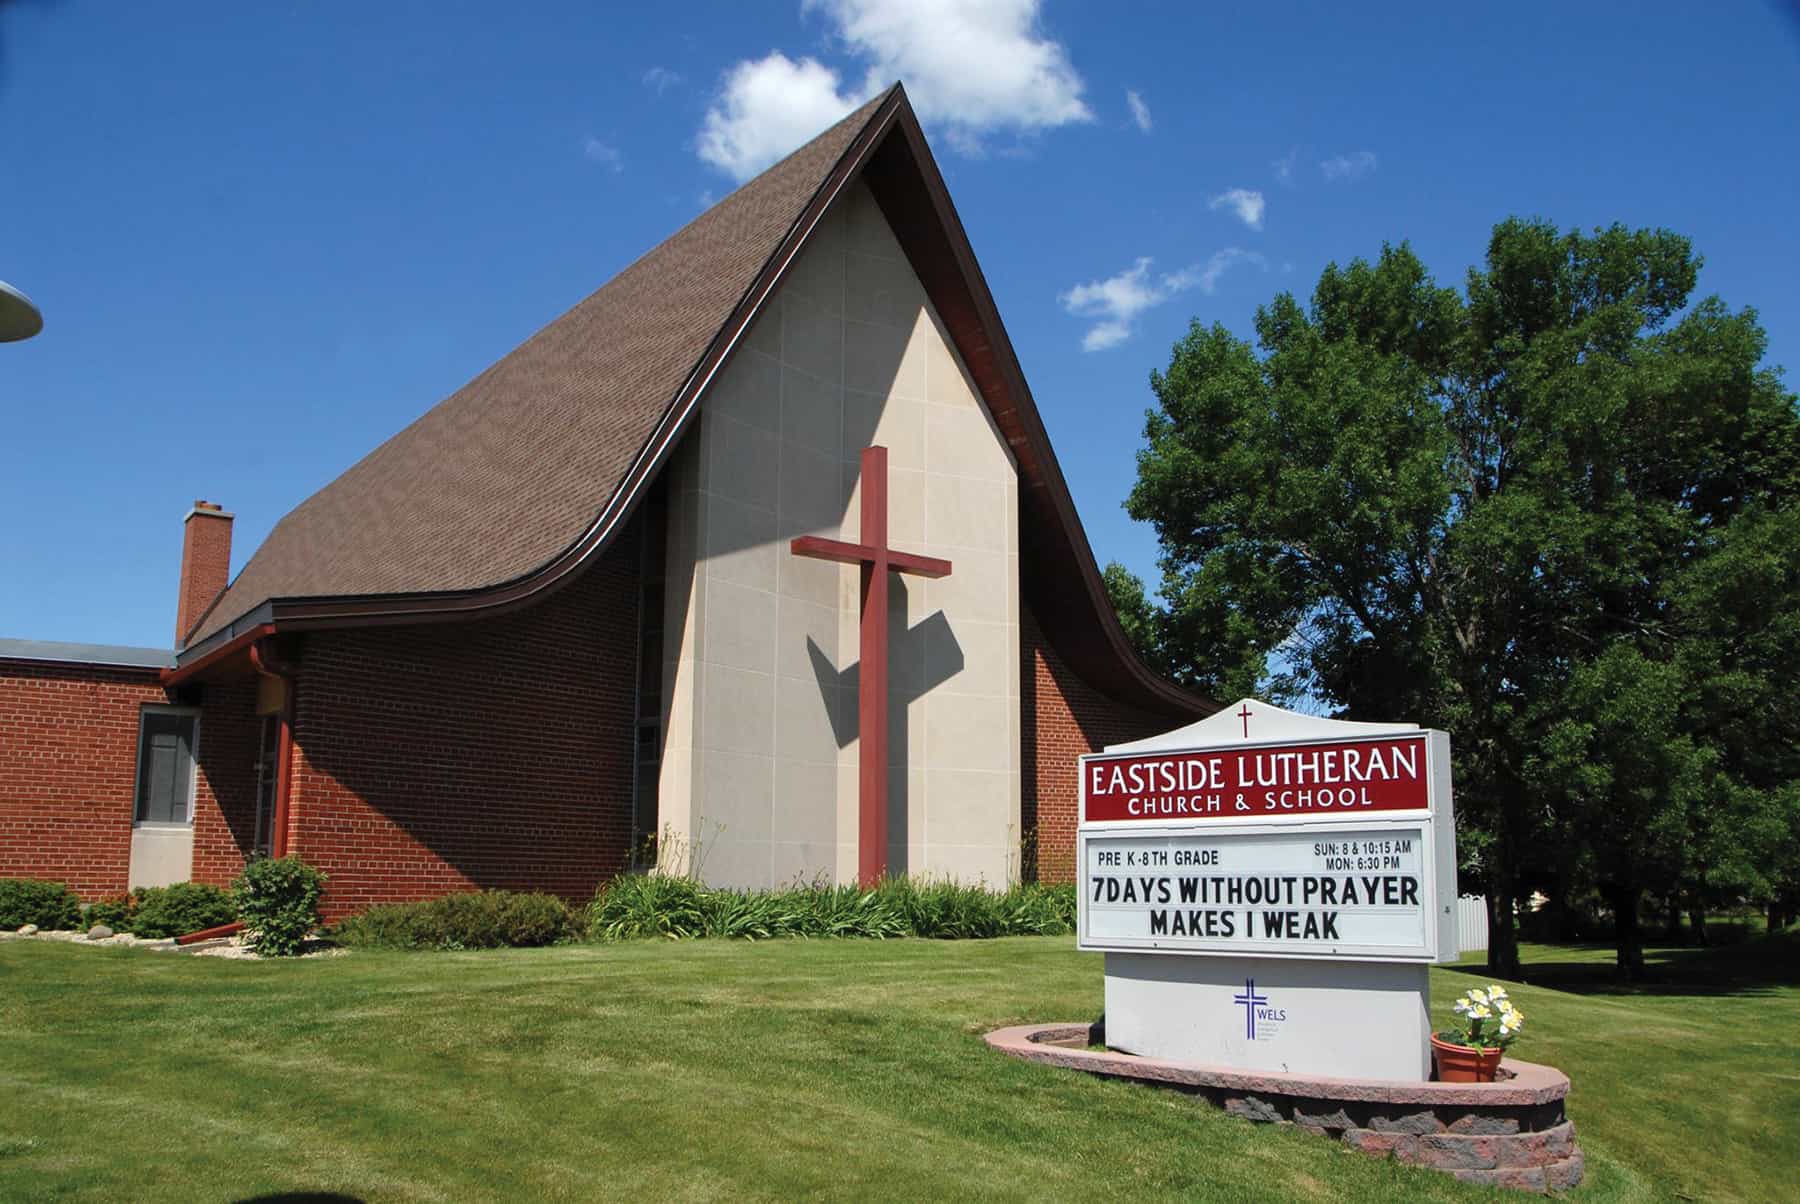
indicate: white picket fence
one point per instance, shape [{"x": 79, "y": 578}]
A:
[{"x": 1471, "y": 922}]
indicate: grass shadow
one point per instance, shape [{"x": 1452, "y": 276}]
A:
[{"x": 1754, "y": 967}]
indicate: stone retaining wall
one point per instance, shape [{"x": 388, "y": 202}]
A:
[{"x": 1509, "y": 1133}]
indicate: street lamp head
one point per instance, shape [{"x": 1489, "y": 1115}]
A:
[{"x": 19, "y": 318}]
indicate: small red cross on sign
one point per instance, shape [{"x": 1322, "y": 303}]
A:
[
  {"x": 1245, "y": 716},
  {"x": 877, "y": 561}
]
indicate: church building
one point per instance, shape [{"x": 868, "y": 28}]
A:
[{"x": 757, "y": 562}]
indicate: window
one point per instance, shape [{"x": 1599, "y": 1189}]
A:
[{"x": 165, "y": 785}]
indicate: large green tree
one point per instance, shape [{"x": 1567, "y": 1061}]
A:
[{"x": 1514, "y": 512}]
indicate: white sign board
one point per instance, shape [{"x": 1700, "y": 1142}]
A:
[
  {"x": 1315, "y": 891},
  {"x": 1340, "y": 848}
]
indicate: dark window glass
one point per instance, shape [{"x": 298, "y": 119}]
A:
[{"x": 165, "y": 767}]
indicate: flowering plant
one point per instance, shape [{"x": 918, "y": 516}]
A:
[{"x": 1488, "y": 1020}]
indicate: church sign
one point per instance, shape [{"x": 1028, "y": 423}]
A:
[{"x": 1305, "y": 867}]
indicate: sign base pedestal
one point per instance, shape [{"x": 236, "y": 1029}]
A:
[{"x": 1358, "y": 1020}]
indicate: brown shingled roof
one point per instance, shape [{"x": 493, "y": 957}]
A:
[
  {"x": 545, "y": 436},
  {"x": 508, "y": 486}
]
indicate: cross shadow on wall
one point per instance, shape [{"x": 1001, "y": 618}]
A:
[{"x": 920, "y": 658}]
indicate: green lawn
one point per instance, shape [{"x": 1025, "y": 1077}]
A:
[{"x": 824, "y": 1068}]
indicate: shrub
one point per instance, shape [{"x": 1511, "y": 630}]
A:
[
  {"x": 164, "y": 911},
  {"x": 644, "y": 905},
  {"x": 278, "y": 900},
  {"x": 488, "y": 919},
  {"x": 1035, "y": 910},
  {"x": 637, "y": 905},
  {"x": 33, "y": 901},
  {"x": 115, "y": 913},
  {"x": 847, "y": 911}
]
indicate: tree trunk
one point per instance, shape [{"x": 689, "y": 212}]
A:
[
  {"x": 1503, "y": 932},
  {"x": 1625, "y": 930},
  {"x": 1558, "y": 923},
  {"x": 1697, "y": 921}
]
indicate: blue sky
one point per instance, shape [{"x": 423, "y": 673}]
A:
[{"x": 265, "y": 238}]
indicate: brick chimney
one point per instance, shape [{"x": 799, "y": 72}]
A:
[{"x": 205, "y": 564}]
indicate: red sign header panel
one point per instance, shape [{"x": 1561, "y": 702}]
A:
[{"x": 1335, "y": 778}]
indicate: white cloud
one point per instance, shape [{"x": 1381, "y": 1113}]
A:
[
  {"x": 1140, "y": 112},
  {"x": 971, "y": 70},
  {"x": 1284, "y": 166},
  {"x": 1206, "y": 275},
  {"x": 1102, "y": 335},
  {"x": 767, "y": 107},
  {"x": 1117, "y": 301},
  {"x": 1247, "y": 203},
  {"x": 1352, "y": 166},
  {"x": 602, "y": 152},
  {"x": 661, "y": 79}
]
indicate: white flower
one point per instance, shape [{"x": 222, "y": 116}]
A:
[
  {"x": 1478, "y": 995},
  {"x": 1462, "y": 1005},
  {"x": 1482, "y": 1012},
  {"x": 1496, "y": 992}
]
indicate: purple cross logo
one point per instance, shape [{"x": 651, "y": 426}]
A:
[{"x": 1250, "y": 1001}]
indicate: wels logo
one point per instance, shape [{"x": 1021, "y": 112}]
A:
[{"x": 1257, "y": 1011}]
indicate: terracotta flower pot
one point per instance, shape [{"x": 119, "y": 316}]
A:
[{"x": 1464, "y": 1063}]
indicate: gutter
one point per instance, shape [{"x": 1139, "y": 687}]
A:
[{"x": 187, "y": 672}]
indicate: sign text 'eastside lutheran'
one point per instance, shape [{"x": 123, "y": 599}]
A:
[{"x": 1370, "y": 775}]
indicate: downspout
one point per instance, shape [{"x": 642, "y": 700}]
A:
[
  {"x": 266, "y": 663},
  {"x": 211, "y": 934}
]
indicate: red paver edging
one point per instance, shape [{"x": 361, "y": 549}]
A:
[{"x": 1509, "y": 1133}]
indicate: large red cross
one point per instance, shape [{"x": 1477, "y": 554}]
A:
[{"x": 877, "y": 561}]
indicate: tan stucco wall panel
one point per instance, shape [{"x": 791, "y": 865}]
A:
[{"x": 847, "y": 354}]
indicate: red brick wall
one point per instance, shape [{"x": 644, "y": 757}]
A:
[
  {"x": 225, "y": 796},
  {"x": 455, "y": 756},
  {"x": 1062, "y": 718},
  {"x": 68, "y": 764},
  {"x": 68, "y": 767}
]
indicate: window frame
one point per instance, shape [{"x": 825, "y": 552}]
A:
[{"x": 137, "y": 773}]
